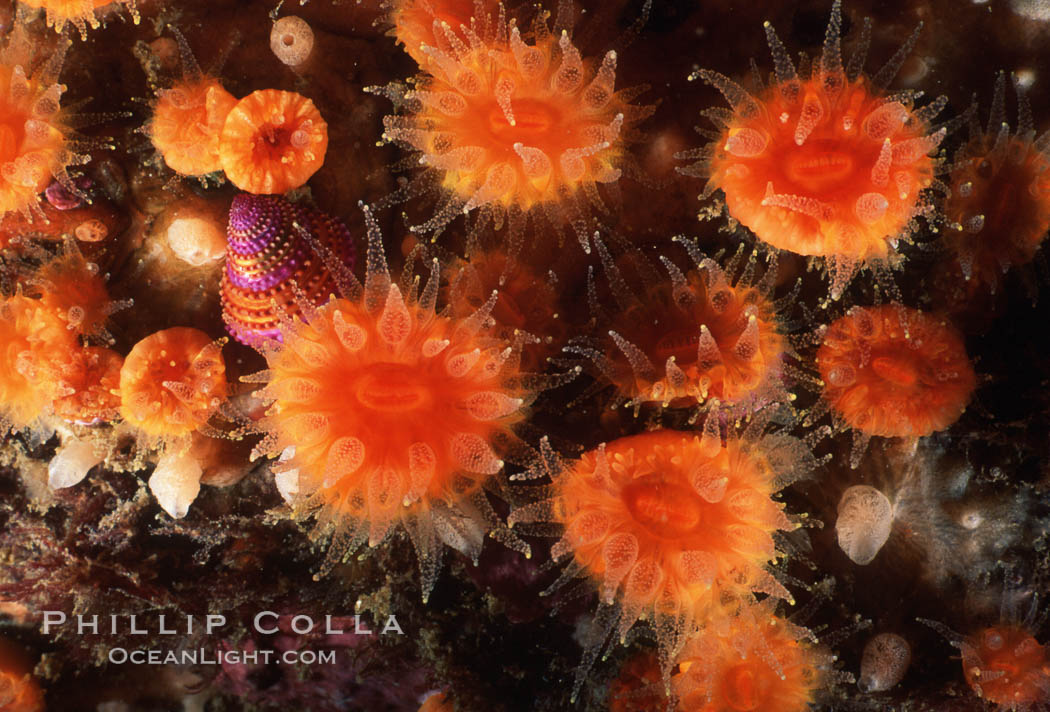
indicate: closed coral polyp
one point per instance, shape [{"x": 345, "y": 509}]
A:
[
  {"x": 291, "y": 40},
  {"x": 1004, "y": 664},
  {"x": 823, "y": 165},
  {"x": 272, "y": 141},
  {"x": 187, "y": 124},
  {"x": 895, "y": 372},
  {"x": 172, "y": 382}
]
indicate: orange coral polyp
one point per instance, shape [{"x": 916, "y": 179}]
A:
[
  {"x": 895, "y": 372},
  {"x": 172, "y": 382},
  {"x": 388, "y": 408},
  {"x": 272, "y": 141},
  {"x": 74, "y": 291},
  {"x": 749, "y": 661},
  {"x": 187, "y": 124},
  {"x": 19, "y": 690},
  {"x": 34, "y": 135},
  {"x": 523, "y": 139},
  {"x": 79, "y": 13},
  {"x": 513, "y": 126},
  {"x": 668, "y": 524},
  {"x": 413, "y": 22},
  {"x": 823, "y": 165},
  {"x": 678, "y": 497},
  {"x": 33, "y": 343},
  {"x": 387, "y": 414},
  {"x": 842, "y": 192},
  {"x": 1004, "y": 664},
  {"x": 90, "y": 380},
  {"x": 526, "y": 302},
  {"x": 998, "y": 210},
  {"x": 703, "y": 339}
]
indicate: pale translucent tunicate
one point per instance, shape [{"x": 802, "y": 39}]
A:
[
  {"x": 885, "y": 660},
  {"x": 287, "y": 480},
  {"x": 176, "y": 482},
  {"x": 291, "y": 40},
  {"x": 864, "y": 522},
  {"x": 196, "y": 240},
  {"x": 71, "y": 464}
]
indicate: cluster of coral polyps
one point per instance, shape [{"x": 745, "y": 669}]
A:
[
  {"x": 269, "y": 142},
  {"x": 50, "y": 366},
  {"x": 598, "y": 477},
  {"x": 672, "y": 527}
]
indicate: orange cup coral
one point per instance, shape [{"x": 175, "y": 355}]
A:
[
  {"x": 72, "y": 289},
  {"x": 510, "y": 127},
  {"x": 998, "y": 210},
  {"x": 187, "y": 124},
  {"x": 823, "y": 165},
  {"x": 421, "y": 23},
  {"x": 272, "y": 141},
  {"x": 394, "y": 413},
  {"x": 669, "y": 523},
  {"x": 34, "y": 133},
  {"x": 1004, "y": 664},
  {"x": 749, "y": 660},
  {"x": 639, "y": 686},
  {"x": 437, "y": 702},
  {"x": 79, "y": 13},
  {"x": 33, "y": 342},
  {"x": 19, "y": 691},
  {"x": 90, "y": 380},
  {"x": 527, "y": 301},
  {"x": 706, "y": 338},
  {"x": 171, "y": 383},
  {"x": 894, "y": 372}
]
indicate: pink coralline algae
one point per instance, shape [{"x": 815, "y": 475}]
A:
[{"x": 275, "y": 248}]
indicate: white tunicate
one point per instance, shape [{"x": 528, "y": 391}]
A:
[
  {"x": 287, "y": 481},
  {"x": 71, "y": 464},
  {"x": 864, "y": 523},
  {"x": 195, "y": 240},
  {"x": 176, "y": 482},
  {"x": 291, "y": 40},
  {"x": 885, "y": 660},
  {"x": 1032, "y": 9}
]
